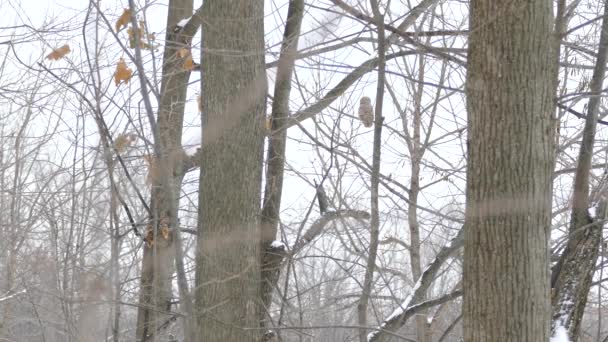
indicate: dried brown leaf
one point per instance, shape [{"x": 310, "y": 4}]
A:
[
  {"x": 59, "y": 53},
  {"x": 123, "y": 20},
  {"x": 149, "y": 238},
  {"x": 164, "y": 232},
  {"x": 183, "y": 52},
  {"x": 122, "y": 73},
  {"x": 188, "y": 63}
]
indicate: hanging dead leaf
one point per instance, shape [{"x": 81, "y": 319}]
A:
[
  {"x": 131, "y": 33},
  {"x": 186, "y": 55},
  {"x": 123, "y": 20},
  {"x": 122, "y": 73},
  {"x": 188, "y": 63},
  {"x": 59, "y": 53},
  {"x": 149, "y": 238},
  {"x": 183, "y": 52},
  {"x": 164, "y": 228},
  {"x": 164, "y": 231},
  {"x": 142, "y": 44}
]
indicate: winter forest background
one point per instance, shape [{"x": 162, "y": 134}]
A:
[{"x": 178, "y": 171}]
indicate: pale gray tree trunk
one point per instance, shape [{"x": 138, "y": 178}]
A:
[
  {"x": 510, "y": 89},
  {"x": 234, "y": 92},
  {"x": 366, "y": 292}
]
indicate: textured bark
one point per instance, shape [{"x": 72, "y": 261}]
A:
[
  {"x": 157, "y": 263},
  {"x": 510, "y": 87},
  {"x": 572, "y": 276},
  {"x": 272, "y": 259},
  {"x": 233, "y": 93}
]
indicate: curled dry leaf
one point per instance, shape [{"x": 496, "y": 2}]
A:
[
  {"x": 164, "y": 228},
  {"x": 143, "y": 35},
  {"x": 122, "y": 73},
  {"x": 59, "y": 53},
  {"x": 164, "y": 231},
  {"x": 186, "y": 55},
  {"x": 183, "y": 52},
  {"x": 188, "y": 63},
  {"x": 123, "y": 20},
  {"x": 149, "y": 238}
]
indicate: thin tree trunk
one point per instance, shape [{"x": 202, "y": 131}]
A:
[
  {"x": 366, "y": 292},
  {"x": 416, "y": 153},
  {"x": 234, "y": 92},
  {"x": 166, "y": 170},
  {"x": 510, "y": 90},
  {"x": 271, "y": 260},
  {"x": 114, "y": 248},
  {"x": 572, "y": 276}
]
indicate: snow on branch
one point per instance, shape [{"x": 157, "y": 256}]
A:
[
  {"x": 319, "y": 224},
  {"x": 411, "y": 305},
  {"x": 7, "y": 297},
  {"x": 182, "y": 23},
  {"x": 277, "y": 244}
]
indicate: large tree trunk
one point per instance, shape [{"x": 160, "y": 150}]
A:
[
  {"x": 159, "y": 255},
  {"x": 510, "y": 88},
  {"x": 233, "y": 97}
]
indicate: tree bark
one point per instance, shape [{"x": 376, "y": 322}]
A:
[
  {"x": 233, "y": 95},
  {"x": 277, "y": 143},
  {"x": 510, "y": 90},
  {"x": 572, "y": 275},
  {"x": 158, "y": 258}
]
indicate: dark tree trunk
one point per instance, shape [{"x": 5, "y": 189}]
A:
[
  {"x": 571, "y": 277},
  {"x": 277, "y": 143}
]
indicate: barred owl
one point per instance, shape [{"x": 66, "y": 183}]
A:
[{"x": 366, "y": 111}]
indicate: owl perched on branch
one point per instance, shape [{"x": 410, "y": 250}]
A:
[{"x": 366, "y": 111}]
